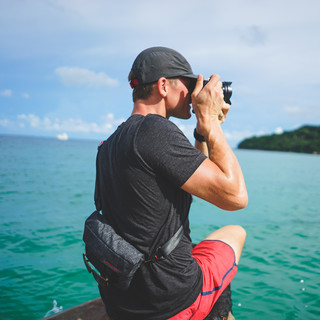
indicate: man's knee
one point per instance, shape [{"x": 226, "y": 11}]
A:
[
  {"x": 241, "y": 232},
  {"x": 233, "y": 235},
  {"x": 228, "y": 232},
  {"x": 236, "y": 240}
]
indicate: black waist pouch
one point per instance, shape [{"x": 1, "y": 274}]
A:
[{"x": 115, "y": 258}]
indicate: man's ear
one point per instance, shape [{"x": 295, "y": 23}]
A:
[{"x": 162, "y": 86}]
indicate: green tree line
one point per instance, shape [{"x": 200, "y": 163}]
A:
[{"x": 305, "y": 139}]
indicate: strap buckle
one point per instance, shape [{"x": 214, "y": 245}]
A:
[{"x": 170, "y": 245}]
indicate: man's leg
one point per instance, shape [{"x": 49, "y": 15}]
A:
[
  {"x": 234, "y": 236},
  {"x": 218, "y": 256},
  {"x": 223, "y": 307}
]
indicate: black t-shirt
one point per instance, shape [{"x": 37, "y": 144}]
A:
[{"x": 142, "y": 167}]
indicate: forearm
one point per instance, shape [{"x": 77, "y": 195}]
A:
[
  {"x": 219, "y": 179},
  {"x": 202, "y": 146},
  {"x": 223, "y": 157}
]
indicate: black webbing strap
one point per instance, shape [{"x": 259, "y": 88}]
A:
[
  {"x": 98, "y": 277},
  {"x": 97, "y": 198},
  {"x": 170, "y": 245}
]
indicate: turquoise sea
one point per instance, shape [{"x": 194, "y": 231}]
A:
[{"x": 46, "y": 192}]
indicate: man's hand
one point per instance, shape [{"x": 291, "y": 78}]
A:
[
  {"x": 223, "y": 114},
  {"x": 208, "y": 104}
]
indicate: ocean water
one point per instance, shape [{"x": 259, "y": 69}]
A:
[{"x": 46, "y": 192}]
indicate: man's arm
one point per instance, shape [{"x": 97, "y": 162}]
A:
[
  {"x": 219, "y": 179},
  {"x": 202, "y": 146}
]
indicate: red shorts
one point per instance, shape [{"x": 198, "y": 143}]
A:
[{"x": 217, "y": 262}]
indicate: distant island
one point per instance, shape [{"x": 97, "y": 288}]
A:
[{"x": 305, "y": 139}]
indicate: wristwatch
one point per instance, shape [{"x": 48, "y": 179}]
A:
[{"x": 198, "y": 136}]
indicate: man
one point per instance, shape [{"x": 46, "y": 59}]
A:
[{"x": 148, "y": 171}]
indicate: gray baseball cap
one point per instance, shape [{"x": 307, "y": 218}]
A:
[{"x": 156, "y": 62}]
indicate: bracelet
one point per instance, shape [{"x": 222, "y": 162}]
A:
[{"x": 198, "y": 136}]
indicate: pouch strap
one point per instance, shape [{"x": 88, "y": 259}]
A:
[
  {"x": 170, "y": 245},
  {"x": 101, "y": 280},
  {"x": 97, "y": 198}
]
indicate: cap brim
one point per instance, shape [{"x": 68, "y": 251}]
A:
[{"x": 190, "y": 75}]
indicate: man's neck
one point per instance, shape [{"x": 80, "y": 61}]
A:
[{"x": 145, "y": 107}]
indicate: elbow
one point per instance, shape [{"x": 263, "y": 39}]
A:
[
  {"x": 235, "y": 202},
  {"x": 241, "y": 201},
  {"x": 239, "y": 197},
  {"x": 234, "y": 195}
]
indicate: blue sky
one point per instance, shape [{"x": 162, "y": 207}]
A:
[{"x": 64, "y": 63}]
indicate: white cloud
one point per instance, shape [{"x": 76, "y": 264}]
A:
[
  {"x": 6, "y": 93},
  {"x": 278, "y": 130},
  {"x": 84, "y": 77},
  {"x": 293, "y": 110},
  {"x": 236, "y": 136},
  {"x": 4, "y": 122},
  {"x": 254, "y": 36},
  {"x": 75, "y": 125},
  {"x": 32, "y": 119},
  {"x": 25, "y": 95},
  {"x": 269, "y": 52}
]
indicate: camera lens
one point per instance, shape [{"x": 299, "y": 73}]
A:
[{"x": 227, "y": 91}]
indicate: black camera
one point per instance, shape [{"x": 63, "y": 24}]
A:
[{"x": 226, "y": 88}]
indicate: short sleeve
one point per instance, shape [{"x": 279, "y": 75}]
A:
[{"x": 164, "y": 149}]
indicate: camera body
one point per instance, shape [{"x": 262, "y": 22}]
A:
[{"x": 226, "y": 88}]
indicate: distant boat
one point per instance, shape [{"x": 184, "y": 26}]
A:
[{"x": 62, "y": 136}]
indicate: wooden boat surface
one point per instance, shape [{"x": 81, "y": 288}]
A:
[
  {"x": 95, "y": 310},
  {"x": 90, "y": 310}
]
